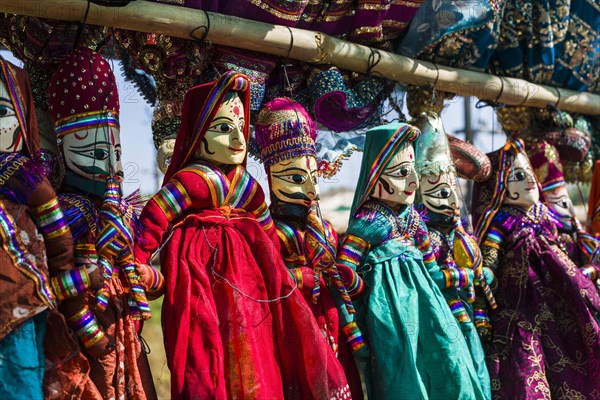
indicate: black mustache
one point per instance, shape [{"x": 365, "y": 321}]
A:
[
  {"x": 15, "y": 137},
  {"x": 512, "y": 196},
  {"x": 387, "y": 187},
  {"x": 442, "y": 207},
  {"x": 298, "y": 196},
  {"x": 205, "y": 143}
]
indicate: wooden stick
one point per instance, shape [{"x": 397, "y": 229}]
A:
[{"x": 309, "y": 46}]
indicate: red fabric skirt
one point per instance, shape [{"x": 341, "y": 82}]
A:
[
  {"x": 328, "y": 320},
  {"x": 234, "y": 324}
]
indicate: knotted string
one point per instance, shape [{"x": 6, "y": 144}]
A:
[
  {"x": 322, "y": 257},
  {"x": 115, "y": 241}
]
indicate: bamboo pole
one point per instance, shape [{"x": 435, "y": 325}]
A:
[{"x": 304, "y": 45}]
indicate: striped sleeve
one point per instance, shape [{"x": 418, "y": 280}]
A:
[
  {"x": 493, "y": 238},
  {"x": 353, "y": 251},
  {"x": 164, "y": 207},
  {"x": 50, "y": 219}
]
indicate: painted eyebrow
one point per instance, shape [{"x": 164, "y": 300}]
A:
[
  {"x": 289, "y": 170},
  {"x": 437, "y": 186},
  {"x": 225, "y": 118},
  {"x": 402, "y": 164},
  {"x": 6, "y": 99},
  {"x": 88, "y": 145}
]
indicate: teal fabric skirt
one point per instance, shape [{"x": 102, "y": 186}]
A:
[
  {"x": 22, "y": 360},
  {"x": 473, "y": 343},
  {"x": 418, "y": 350}
]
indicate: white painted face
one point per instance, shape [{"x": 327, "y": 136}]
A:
[
  {"x": 560, "y": 202},
  {"x": 398, "y": 183},
  {"x": 11, "y": 136},
  {"x": 295, "y": 180},
  {"x": 94, "y": 153},
  {"x": 438, "y": 193},
  {"x": 522, "y": 189},
  {"x": 224, "y": 142}
]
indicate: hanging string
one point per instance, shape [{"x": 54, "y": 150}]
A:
[
  {"x": 287, "y": 85},
  {"x": 203, "y": 40},
  {"x": 372, "y": 61},
  {"x": 205, "y": 28},
  {"x": 82, "y": 25},
  {"x": 557, "y": 104},
  {"x": 434, "y": 92},
  {"x": 494, "y": 104},
  {"x": 583, "y": 202},
  {"x": 465, "y": 208}
]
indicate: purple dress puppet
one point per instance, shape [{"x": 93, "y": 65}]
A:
[{"x": 545, "y": 335}]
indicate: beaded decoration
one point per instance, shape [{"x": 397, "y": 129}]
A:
[{"x": 284, "y": 130}]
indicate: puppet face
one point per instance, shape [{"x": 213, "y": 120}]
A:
[
  {"x": 399, "y": 182},
  {"x": 438, "y": 193},
  {"x": 11, "y": 136},
  {"x": 522, "y": 189},
  {"x": 560, "y": 202},
  {"x": 295, "y": 180},
  {"x": 224, "y": 142},
  {"x": 94, "y": 153}
]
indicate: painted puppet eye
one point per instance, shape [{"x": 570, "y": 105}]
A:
[
  {"x": 6, "y": 111},
  {"x": 222, "y": 127},
  {"x": 100, "y": 154},
  {"x": 443, "y": 193},
  {"x": 293, "y": 178},
  {"x": 518, "y": 175},
  {"x": 401, "y": 172}
]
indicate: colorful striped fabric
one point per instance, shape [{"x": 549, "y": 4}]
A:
[
  {"x": 354, "y": 336},
  {"x": 15, "y": 248},
  {"x": 217, "y": 182},
  {"x": 263, "y": 216},
  {"x": 137, "y": 300},
  {"x": 87, "y": 121},
  {"x": 321, "y": 253},
  {"x": 50, "y": 219},
  {"x": 353, "y": 251},
  {"x": 70, "y": 283},
  {"x": 108, "y": 273},
  {"x": 425, "y": 247},
  {"x": 172, "y": 199},
  {"x": 85, "y": 253},
  {"x": 241, "y": 189},
  {"x": 86, "y": 327},
  {"x": 458, "y": 310},
  {"x": 292, "y": 239},
  {"x": 81, "y": 215},
  {"x": 356, "y": 286},
  {"x": 494, "y": 238}
]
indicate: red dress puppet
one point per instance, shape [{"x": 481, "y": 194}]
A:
[{"x": 234, "y": 324}]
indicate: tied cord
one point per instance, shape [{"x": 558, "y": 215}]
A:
[
  {"x": 322, "y": 257},
  {"x": 203, "y": 40}
]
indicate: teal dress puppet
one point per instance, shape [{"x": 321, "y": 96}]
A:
[{"x": 417, "y": 348}]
